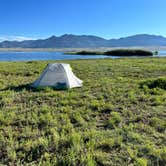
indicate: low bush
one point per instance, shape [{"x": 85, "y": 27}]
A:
[
  {"x": 117, "y": 52},
  {"x": 155, "y": 83},
  {"x": 129, "y": 52},
  {"x": 88, "y": 53}
]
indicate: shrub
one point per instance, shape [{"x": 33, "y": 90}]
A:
[
  {"x": 87, "y": 53},
  {"x": 129, "y": 52},
  {"x": 155, "y": 83},
  {"x": 118, "y": 52}
]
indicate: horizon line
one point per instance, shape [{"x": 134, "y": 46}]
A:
[{"x": 11, "y": 38}]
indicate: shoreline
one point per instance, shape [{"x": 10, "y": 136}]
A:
[{"x": 85, "y": 59}]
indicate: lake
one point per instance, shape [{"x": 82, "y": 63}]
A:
[{"x": 32, "y": 56}]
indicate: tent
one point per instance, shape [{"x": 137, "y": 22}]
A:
[{"x": 58, "y": 76}]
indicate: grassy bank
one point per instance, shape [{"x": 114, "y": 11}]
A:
[
  {"x": 116, "y": 118},
  {"x": 116, "y": 52}
]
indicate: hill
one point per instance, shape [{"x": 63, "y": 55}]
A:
[
  {"x": 64, "y": 41},
  {"x": 87, "y": 41},
  {"x": 139, "y": 40}
]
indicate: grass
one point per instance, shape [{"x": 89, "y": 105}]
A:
[{"x": 116, "y": 118}]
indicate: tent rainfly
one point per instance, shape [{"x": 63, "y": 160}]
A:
[{"x": 58, "y": 76}]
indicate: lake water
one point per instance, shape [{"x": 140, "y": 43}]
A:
[{"x": 31, "y": 56}]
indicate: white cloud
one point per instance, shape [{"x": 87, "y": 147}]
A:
[{"x": 17, "y": 38}]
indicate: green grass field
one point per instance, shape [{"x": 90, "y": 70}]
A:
[{"x": 114, "y": 119}]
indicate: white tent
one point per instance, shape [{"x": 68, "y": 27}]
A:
[{"x": 59, "y": 76}]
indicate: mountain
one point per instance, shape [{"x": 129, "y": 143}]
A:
[
  {"x": 87, "y": 41},
  {"x": 139, "y": 40},
  {"x": 64, "y": 41}
]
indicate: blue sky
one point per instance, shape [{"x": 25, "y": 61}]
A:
[{"x": 31, "y": 19}]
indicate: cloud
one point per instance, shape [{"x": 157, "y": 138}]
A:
[{"x": 17, "y": 38}]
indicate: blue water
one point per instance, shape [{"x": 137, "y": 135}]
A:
[
  {"x": 162, "y": 53},
  {"x": 31, "y": 56}
]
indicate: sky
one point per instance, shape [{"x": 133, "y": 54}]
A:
[{"x": 33, "y": 19}]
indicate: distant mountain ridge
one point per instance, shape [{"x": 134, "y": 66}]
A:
[{"x": 87, "y": 41}]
